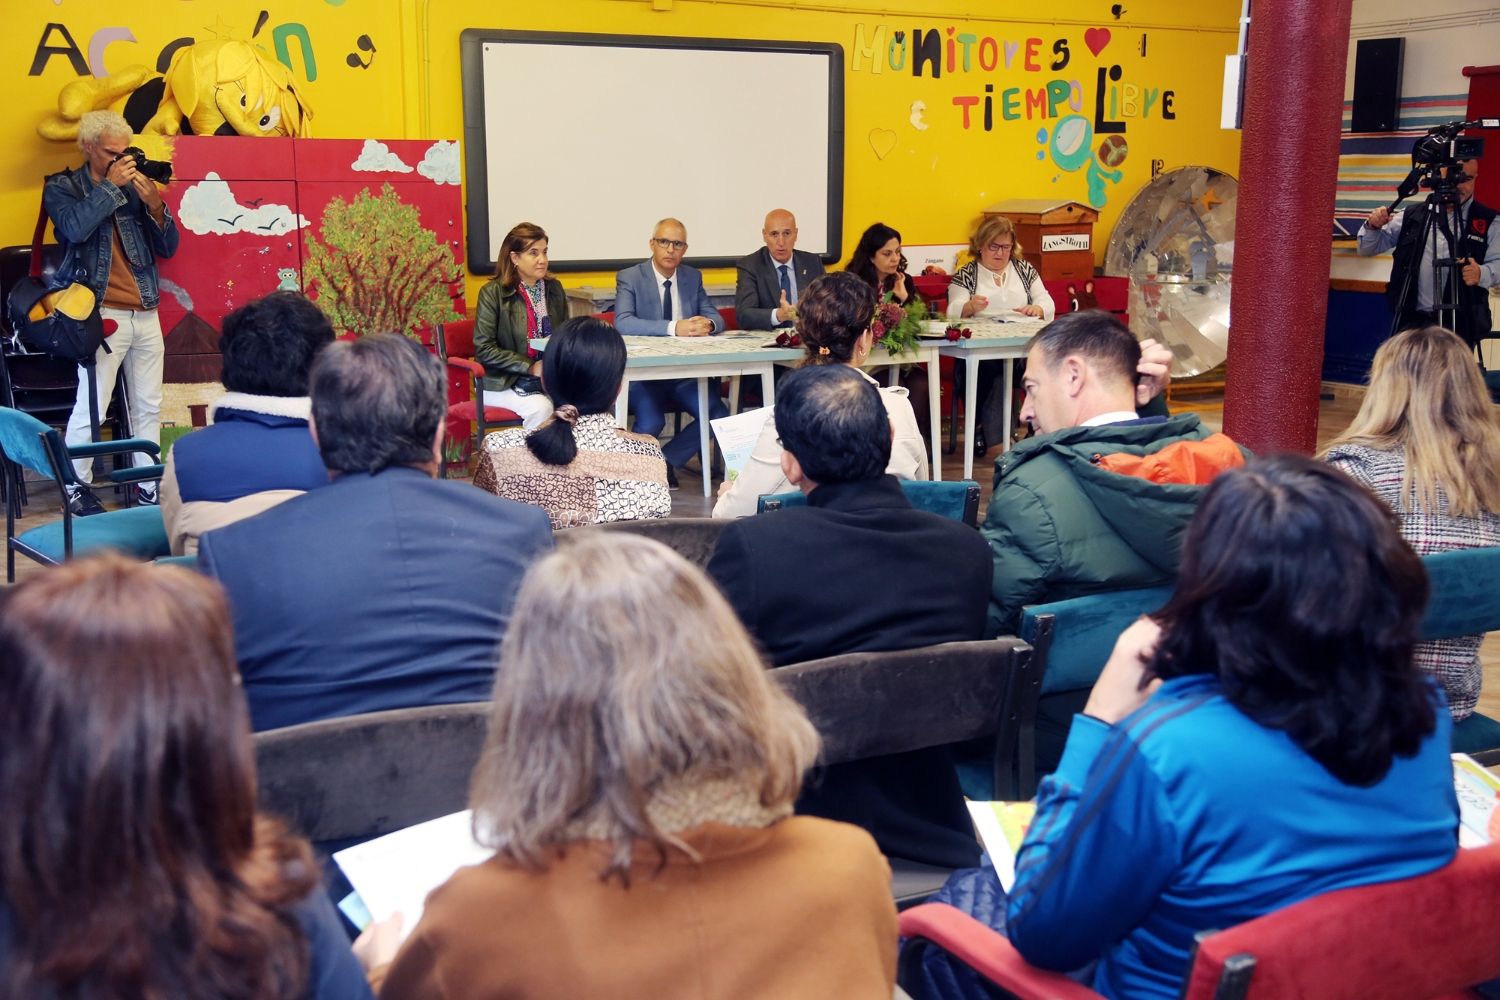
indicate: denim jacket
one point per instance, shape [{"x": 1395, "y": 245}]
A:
[{"x": 81, "y": 211}]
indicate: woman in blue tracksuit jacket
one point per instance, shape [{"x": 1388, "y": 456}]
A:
[{"x": 1263, "y": 739}]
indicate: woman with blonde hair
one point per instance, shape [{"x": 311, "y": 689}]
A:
[
  {"x": 1425, "y": 441},
  {"x": 637, "y": 787},
  {"x": 998, "y": 281},
  {"x": 521, "y": 302}
]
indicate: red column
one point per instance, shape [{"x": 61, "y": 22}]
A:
[{"x": 1294, "y": 98}]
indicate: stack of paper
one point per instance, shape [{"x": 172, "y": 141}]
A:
[
  {"x": 737, "y": 435},
  {"x": 393, "y": 874}
]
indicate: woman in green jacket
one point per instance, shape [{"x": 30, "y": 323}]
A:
[{"x": 520, "y": 303}]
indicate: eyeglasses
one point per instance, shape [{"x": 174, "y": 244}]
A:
[
  {"x": 669, "y": 244},
  {"x": 1000, "y": 247}
]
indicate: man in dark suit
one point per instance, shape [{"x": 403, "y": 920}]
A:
[
  {"x": 663, "y": 297},
  {"x": 858, "y": 570},
  {"x": 386, "y": 588},
  {"x": 768, "y": 283}
]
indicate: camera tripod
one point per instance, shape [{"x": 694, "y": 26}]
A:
[{"x": 1446, "y": 269}]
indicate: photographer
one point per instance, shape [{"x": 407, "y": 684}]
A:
[
  {"x": 113, "y": 224},
  {"x": 1474, "y": 246}
]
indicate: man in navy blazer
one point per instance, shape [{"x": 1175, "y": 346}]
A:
[
  {"x": 663, "y": 297},
  {"x": 769, "y": 281},
  {"x": 386, "y": 588}
]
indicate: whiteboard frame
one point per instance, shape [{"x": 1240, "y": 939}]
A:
[{"x": 481, "y": 255}]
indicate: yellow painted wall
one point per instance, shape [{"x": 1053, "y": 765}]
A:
[{"x": 929, "y": 183}]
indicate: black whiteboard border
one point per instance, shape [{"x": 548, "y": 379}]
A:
[{"x": 476, "y": 162}]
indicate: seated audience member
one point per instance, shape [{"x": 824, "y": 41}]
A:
[
  {"x": 1098, "y": 498},
  {"x": 132, "y": 860},
  {"x": 516, "y": 305},
  {"x": 834, "y": 323},
  {"x": 858, "y": 570},
  {"x": 1262, "y": 739},
  {"x": 580, "y": 468},
  {"x": 1426, "y": 443},
  {"x": 996, "y": 283},
  {"x": 637, "y": 789},
  {"x": 257, "y": 452},
  {"x": 769, "y": 282},
  {"x": 387, "y": 588},
  {"x": 663, "y": 297}
]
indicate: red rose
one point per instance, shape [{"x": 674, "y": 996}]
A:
[{"x": 1480, "y": 225}]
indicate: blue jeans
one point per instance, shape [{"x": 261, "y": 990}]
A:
[{"x": 649, "y": 401}]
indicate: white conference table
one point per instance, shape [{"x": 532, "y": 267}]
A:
[
  {"x": 750, "y": 352},
  {"x": 992, "y": 341}
]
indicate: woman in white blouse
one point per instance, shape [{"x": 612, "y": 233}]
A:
[
  {"x": 996, "y": 284},
  {"x": 833, "y": 319}
]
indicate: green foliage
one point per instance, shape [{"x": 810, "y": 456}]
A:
[
  {"x": 897, "y": 327},
  {"x": 377, "y": 270}
]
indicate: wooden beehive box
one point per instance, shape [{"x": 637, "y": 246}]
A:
[{"x": 1057, "y": 236}]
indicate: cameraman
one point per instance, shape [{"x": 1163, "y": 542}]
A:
[
  {"x": 113, "y": 224},
  {"x": 1474, "y": 245}
]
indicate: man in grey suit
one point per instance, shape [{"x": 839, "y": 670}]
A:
[
  {"x": 769, "y": 281},
  {"x": 663, "y": 297}
]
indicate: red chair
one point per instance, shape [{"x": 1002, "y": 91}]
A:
[
  {"x": 1426, "y": 938},
  {"x": 1112, "y": 294},
  {"x": 455, "y": 345}
]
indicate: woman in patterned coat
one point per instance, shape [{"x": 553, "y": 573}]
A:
[
  {"x": 579, "y": 467},
  {"x": 1425, "y": 441}
]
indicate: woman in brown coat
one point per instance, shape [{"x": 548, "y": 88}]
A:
[{"x": 637, "y": 787}]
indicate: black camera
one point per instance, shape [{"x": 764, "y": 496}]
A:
[
  {"x": 159, "y": 171},
  {"x": 1443, "y": 146}
]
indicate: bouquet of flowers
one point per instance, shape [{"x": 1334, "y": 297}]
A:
[{"x": 896, "y": 326}]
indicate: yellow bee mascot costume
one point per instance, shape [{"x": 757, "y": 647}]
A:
[{"x": 220, "y": 87}]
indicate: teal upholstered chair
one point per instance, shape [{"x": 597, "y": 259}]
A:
[
  {"x": 958, "y": 500},
  {"x": 1466, "y": 601},
  {"x": 29, "y": 444},
  {"x": 1071, "y": 641}
]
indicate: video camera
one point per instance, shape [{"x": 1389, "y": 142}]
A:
[
  {"x": 159, "y": 171},
  {"x": 1435, "y": 161},
  {"x": 1443, "y": 146}
]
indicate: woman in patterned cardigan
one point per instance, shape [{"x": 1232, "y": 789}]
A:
[
  {"x": 579, "y": 467},
  {"x": 996, "y": 283},
  {"x": 1425, "y": 441}
]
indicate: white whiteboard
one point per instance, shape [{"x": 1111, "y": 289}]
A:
[{"x": 596, "y": 137}]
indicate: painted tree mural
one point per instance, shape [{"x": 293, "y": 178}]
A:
[{"x": 375, "y": 269}]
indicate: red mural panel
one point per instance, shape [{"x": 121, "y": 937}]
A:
[
  {"x": 384, "y": 252},
  {"x": 375, "y": 244}
]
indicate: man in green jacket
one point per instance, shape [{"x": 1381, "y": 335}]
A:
[{"x": 1099, "y": 497}]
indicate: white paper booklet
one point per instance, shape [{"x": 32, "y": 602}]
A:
[
  {"x": 1002, "y": 827},
  {"x": 393, "y": 874},
  {"x": 1478, "y": 797},
  {"x": 737, "y": 435}
]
